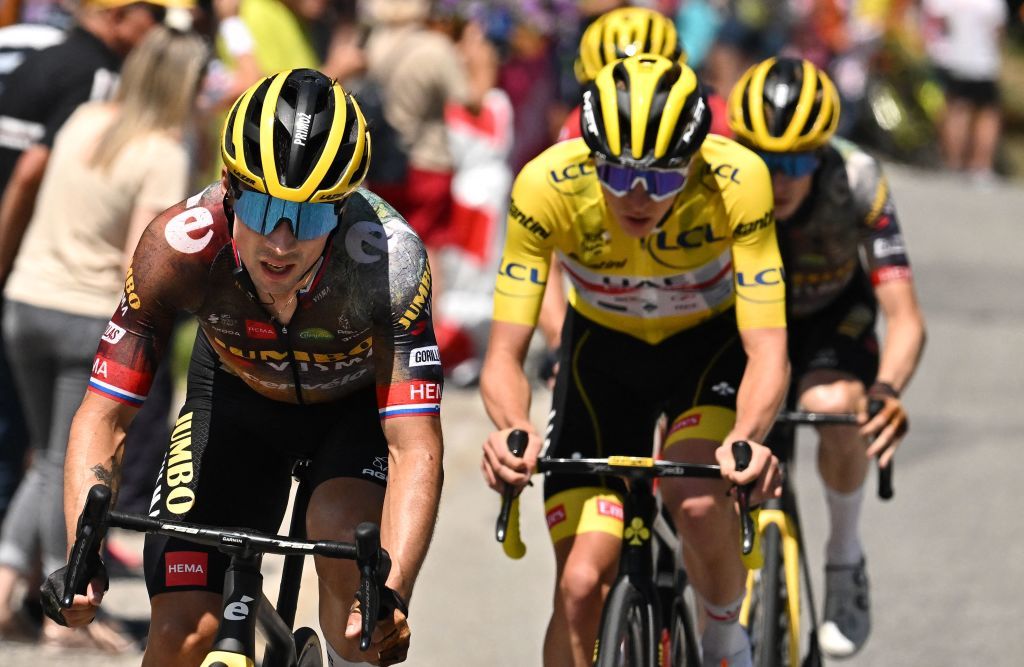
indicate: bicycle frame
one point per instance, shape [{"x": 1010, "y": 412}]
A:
[
  {"x": 244, "y": 604},
  {"x": 784, "y": 514},
  {"x": 640, "y": 510}
]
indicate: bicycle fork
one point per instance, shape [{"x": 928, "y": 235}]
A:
[{"x": 790, "y": 551}]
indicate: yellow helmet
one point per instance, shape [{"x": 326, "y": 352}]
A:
[
  {"x": 623, "y": 32},
  {"x": 298, "y": 136},
  {"x": 645, "y": 111},
  {"x": 784, "y": 105}
]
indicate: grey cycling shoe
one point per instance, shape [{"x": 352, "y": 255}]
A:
[{"x": 847, "y": 610}]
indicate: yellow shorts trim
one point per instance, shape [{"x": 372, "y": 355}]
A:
[
  {"x": 586, "y": 509},
  {"x": 703, "y": 422}
]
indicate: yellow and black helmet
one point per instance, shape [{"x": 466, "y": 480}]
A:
[
  {"x": 623, "y": 32},
  {"x": 784, "y": 105},
  {"x": 297, "y": 135},
  {"x": 645, "y": 111}
]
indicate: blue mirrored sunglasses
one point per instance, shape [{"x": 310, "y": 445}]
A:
[
  {"x": 793, "y": 165},
  {"x": 659, "y": 183},
  {"x": 261, "y": 213}
]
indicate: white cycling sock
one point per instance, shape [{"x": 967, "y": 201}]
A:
[
  {"x": 843, "y": 547},
  {"x": 724, "y": 638},
  {"x": 335, "y": 660}
]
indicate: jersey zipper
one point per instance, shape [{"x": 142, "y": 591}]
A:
[{"x": 282, "y": 331}]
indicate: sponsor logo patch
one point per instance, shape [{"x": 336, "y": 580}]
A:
[
  {"x": 113, "y": 334},
  {"x": 425, "y": 356},
  {"x": 686, "y": 422},
  {"x": 316, "y": 333},
  {"x": 186, "y": 568},
  {"x": 260, "y": 330},
  {"x": 556, "y": 516},
  {"x": 180, "y": 229},
  {"x": 609, "y": 509}
]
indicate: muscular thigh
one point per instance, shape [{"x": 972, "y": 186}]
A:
[{"x": 229, "y": 462}]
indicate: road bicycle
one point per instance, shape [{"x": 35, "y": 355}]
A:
[
  {"x": 772, "y": 610},
  {"x": 245, "y": 606},
  {"x": 635, "y": 629}
]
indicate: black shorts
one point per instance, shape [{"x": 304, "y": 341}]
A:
[
  {"x": 229, "y": 464},
  {"x": 840, "y": 337},
  {"x": 978, "y": 92},
  {"x": 611, "y": 389}
]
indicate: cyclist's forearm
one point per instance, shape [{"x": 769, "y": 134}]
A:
[
  {"x": 763, "y": 387},
  {"x": 95, "y": 449},
  {"x": 506, "y": 392},
  {"x": 415, "y": 476},
  {"x": 904, "y": 335}
]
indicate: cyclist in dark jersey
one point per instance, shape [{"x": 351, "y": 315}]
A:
[
  {"x": 844, "y": 256},
  {"x": 315, "y": 341}
]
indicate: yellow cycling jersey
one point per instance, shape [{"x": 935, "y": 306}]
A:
[{"x": 716, "y": 246}]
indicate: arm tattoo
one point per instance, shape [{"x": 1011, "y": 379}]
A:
[
  {"x": 103, "y": 474},
  {"x": 110, "y": 476}
]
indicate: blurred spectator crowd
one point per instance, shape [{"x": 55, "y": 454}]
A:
[{"x": 460, "y": 94}]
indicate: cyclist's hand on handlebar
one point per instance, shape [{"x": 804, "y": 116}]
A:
[
  {"x": 83, "y": 608},
  {"x": 501, "y": 467},
  {"x": 390, "y": 642},
  {"x": 886, "y": 429},
  {"x": 763, "y": 470}
]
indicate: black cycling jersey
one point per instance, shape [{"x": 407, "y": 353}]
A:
[
  {"x": 43, "y": 92},
  {"x": 847, "y": 227},
  {"x": 363, "y": 321}
]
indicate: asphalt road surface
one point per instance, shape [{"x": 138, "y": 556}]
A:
[{"x": 946, "y": 556}]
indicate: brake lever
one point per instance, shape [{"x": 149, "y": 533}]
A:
[
  {"x": 885, "y": 490},
  {"x": 517, "y": 441},
  {"x": 92, "y": 527},
  {"x": 742, "y": 454},
  {"x": 368, "y": 559}
]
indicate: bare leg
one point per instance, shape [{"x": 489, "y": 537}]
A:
[
  {"x": 954, "y": 133},
  {"x": 985, "y": 134},
  {"x": 586, "y": 566},
  {"x": 182, "y": 629}
]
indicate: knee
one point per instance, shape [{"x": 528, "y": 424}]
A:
[
  {"x": 834, "y": 397},
  {"x": 701, "y": 517},
  {"x": 580, "y": 588},
  {"x": 178, "y": 640}
]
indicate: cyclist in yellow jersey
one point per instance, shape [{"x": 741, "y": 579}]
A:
[{"x": 676, "y": 308}]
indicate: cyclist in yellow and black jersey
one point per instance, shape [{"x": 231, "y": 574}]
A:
[
  {"x": 676, "y": 308},
  {"x": 717, "y": 234},
  {"x": 845, "y": 257}
]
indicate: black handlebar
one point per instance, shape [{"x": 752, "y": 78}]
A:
[
  {"x": 517, "y": 441},
  {"x": 875, "y": 405},
  {"x": 742, "y": 454},
  {"x": 373, "y": 562},
  {"x": 629, "y": 467}
]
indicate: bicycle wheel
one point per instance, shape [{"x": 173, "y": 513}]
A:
[
  {"x": 683, "y": 642},
  {"x": 307, "y": 648},
  {"x": 626, "y": 637},
  {"x": 770, "y": 622}
]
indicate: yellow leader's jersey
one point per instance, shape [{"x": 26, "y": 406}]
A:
[{"x": 716, "y": 246}]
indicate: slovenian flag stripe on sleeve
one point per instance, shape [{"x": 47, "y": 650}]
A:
[
  {"x": 412, "y": 398},
  {"x": 118, "y": 382}
]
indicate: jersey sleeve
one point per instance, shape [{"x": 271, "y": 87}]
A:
[
  {"x": 757, "y": 265},
  {"x": 883, "y": 251},
  {"x": 409, "y": 372},
  {"x": 166, "y": 276},
  {"x": 526, "y": 258}
]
